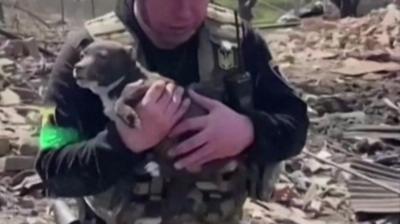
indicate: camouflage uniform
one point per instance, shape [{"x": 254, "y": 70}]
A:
[{"x": 82, "y": 155}]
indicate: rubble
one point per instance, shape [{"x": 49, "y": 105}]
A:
[
  {"x": 347, "y": 37},
  {"x": 348, "y": 71},
  {"x": 4, "y": 146},
  {"x": 25, "y": 63},
  {"x": 270, "y": 213}
]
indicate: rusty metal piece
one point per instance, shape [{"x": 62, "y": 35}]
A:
[
  {"x": 366, "y": 197},
  {"x": 380, "y": 128},
  {"x": 373, "y": 131}
]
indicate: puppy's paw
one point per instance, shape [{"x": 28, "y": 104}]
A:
[{"x": 126, "y": 113}]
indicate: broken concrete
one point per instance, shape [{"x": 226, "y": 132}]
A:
[
  {"x": 354, "y": 67},
  {"x": 29, "y": 146},
  {"x": 9, "y": 97}
]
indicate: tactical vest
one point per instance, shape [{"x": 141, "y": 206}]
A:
[{"x": 137, "y": 200}]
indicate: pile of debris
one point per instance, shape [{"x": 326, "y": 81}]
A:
[
  {"x": 23, "y": 73},
  {"x": 374, "y": 39},
  {"x": 348, "y": 72},
  {"x": 26, "y": 59}
]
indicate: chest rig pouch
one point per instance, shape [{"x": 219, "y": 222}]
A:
[{"x": 142, "y": 198}]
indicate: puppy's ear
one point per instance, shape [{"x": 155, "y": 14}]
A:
[{"x": 129, "y": 50}]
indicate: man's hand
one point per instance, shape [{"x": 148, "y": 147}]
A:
[
  {"x": 220, "y": 134},
  {"x": 158, "y": 111}
]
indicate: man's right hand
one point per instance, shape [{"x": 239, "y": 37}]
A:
[{"x": 158, "y": 111}]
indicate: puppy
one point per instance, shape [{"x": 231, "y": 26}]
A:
[{"x": 106, "y": 68}]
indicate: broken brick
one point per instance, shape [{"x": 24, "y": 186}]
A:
[{"x": 16, "y": 163}]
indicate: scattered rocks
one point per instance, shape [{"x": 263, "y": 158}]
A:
[
  {"x": 21, "y": 48},
  {"x": 348, "y": 73},
  {"x": 7, "y": 67}
]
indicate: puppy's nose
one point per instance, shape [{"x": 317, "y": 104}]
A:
[{"x": 78, "y": 66}]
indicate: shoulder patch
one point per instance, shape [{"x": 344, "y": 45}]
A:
[
  {"x": 226, "y": 57},
  {"x": 226, "y": 33},
  {"x": 221, "y": 14}
]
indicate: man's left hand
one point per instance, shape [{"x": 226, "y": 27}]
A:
[{"x": 222, "y": 133}]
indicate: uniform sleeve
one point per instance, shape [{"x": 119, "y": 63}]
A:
[
  {"x": 279, "y": 116},
  {"x": 80, "y": 151}
]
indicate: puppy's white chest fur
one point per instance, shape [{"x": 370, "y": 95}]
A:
[
  {"x": 108, "y": 103},
  {"x": 103, "y": 93}
]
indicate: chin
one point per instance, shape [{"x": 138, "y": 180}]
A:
[
  {"x": 170, "y": 40},
  {"x": 179, "y": 39}
]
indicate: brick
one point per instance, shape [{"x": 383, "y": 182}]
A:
[
  {"x": 29, "y": 147},
  {"x": 16, "y": 163}
]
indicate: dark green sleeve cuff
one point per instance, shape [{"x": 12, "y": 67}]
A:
[{"x": 276, "y": 137}]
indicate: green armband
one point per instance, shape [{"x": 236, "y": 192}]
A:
[{"x": 53, "y": 137}]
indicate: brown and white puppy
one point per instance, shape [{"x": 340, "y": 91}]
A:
[{"x": 105, "y": 68}]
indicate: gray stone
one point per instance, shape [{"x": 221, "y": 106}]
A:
[
  {"x": 16, "y": 163},
  {"x": 4, "y": 146},
  {"x": 3, "y": 200},
  {"x": 29, "y": 146},
  {"x": 26, "y": 203}
]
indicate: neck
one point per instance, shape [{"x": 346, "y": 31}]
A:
[{"x": 116, "y": 88}]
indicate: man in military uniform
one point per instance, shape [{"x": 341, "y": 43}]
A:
[{"x": 84, "y": 155}]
